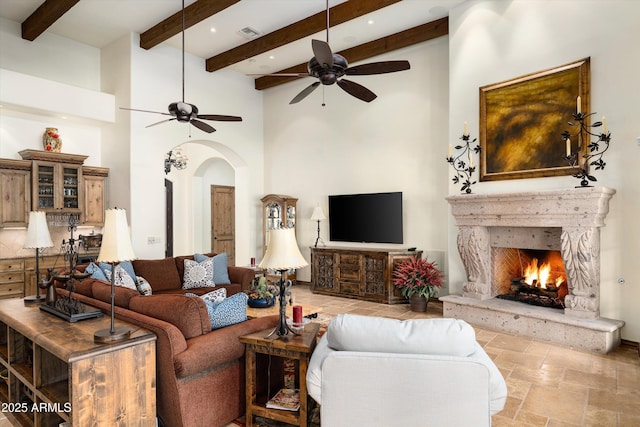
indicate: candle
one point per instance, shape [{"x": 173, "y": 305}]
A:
[
  {"x": 466, "y": 129},
  {"x": 604, "y": 125},
  {"x": 470, "y": 161},
  {"x": 297, "y": 314},
  {"x": 579, "y": 104},
  {"x": 568, "y": 147},
  {"x": 450, "y": 150}
]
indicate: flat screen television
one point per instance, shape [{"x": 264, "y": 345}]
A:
[{"x": 366, "y": 218}]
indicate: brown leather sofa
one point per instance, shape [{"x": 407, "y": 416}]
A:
[{"x": 200, "y": 372}]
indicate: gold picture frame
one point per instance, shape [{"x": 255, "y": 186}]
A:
[{"x": 522, "y": 120}]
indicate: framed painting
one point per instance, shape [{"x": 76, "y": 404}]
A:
[{"x": 522, "y": 120}]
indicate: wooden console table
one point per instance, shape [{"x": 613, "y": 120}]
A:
[
  {"x": 359, "y": 273},
  {"x": 53, "y": 372},
  {"x": 296, "y": 347}
]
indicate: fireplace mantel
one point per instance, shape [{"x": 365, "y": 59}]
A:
[
  {"x": 577, "y": 207},
  {"x": 569, "y": 219}
]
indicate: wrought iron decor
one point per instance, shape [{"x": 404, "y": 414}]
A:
[
  {"x": 590, "y": 150},
  {"x": 462, "y": 162},
  {"x": 520, "y": 118}
]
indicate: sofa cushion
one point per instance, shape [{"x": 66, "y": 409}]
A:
[
  {"x": 102, "y": 291},
  {"x": 215, "y": 296},
  {"x": 230, "y": 311},
  {"x": 122, "y": 278},
  {"x": 161, "y": 274},
  {"x": 198, "y": 274},
  {"x": 220, "y": 268},
  {"x": 350, "y": 332},
  {"x": 188, "y": 314},
  {"x": 125, "y": 265},
  {"x": 95, "y": 272},
  {"x": 143, "y": 286}
]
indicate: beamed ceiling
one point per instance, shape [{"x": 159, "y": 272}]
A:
[{"x": 346, "y": 19}]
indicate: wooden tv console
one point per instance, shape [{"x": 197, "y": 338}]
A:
[{"x": 360, "y": 273}]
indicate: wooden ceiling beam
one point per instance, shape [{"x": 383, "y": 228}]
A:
[
  {"x": 44, "y": 17},
  {"x": 419, "y": 34},
  {"x": 337, "y": 15},
  {"x": 193, "y": 14}
]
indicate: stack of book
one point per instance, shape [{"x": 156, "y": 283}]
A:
[{"x": 287, "y": 399}]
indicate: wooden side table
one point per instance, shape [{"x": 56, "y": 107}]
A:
[{"x": 297, "y": 347}]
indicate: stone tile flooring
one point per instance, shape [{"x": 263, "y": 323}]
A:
[{"x": 549, "y": 385}]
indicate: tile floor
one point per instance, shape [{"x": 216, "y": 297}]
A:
[{"x": 549, "y": 385}]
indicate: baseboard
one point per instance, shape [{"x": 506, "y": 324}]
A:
[{"x": 302, "y": 282}]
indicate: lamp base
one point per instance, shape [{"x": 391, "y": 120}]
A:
[
  {"x": 34, "y": 298},
  {"x": 106, "y": 336}
]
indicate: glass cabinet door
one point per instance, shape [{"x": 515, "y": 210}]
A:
[
  {"x": 70, "y": 188},
  {"x": 46, "y": 191}
]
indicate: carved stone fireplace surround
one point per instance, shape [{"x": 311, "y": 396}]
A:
[{"x": 568, "y": 220}]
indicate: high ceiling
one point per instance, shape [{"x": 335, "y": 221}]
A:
[{"x": 214, "y": 27}]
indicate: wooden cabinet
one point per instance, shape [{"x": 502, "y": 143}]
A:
[
  {"x": 95, "y": 195},
  {"x": 278, "y": 211},
  {"x": 11, "y": 278},
  {"x": 357, "y": 273},
  {"x": 15, "y": 192},
  {"x": 55, "y": 373}
]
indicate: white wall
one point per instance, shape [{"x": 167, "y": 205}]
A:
[
  {"x": 395, "y": 143},
  {"x": 493, "y": 41}
]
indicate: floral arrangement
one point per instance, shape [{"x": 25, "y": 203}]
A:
[{"x": 418, "y": 276}]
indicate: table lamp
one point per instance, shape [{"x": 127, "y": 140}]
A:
[
  {"x": 38, "y": 237},
  {"x": 282, "y": 255},
  {"x": 318, "y": 215},
  {"x": 116, "y": 247}
]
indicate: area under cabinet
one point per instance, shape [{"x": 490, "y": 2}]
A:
[{"x": 52, "y": 372}]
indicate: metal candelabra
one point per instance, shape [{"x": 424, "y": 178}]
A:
[
  {"x": 591, "y": 154},
  {"x": 462, "y": 163}
]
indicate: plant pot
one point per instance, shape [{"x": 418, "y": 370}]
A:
[
  {"x": 418, "y": 303},
  {"x": 261, "y": 302}
]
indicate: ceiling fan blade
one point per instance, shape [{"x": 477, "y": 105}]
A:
[
  {"x": 161, "y": 121},
  {"x": 378, "y": 68},
  {"x": 322, "y": 52},
  {"x": 219, "y": 118},
  {"x": 303, "y": 94},
  {"x": 202, "y": 126},
  {"x": 357, "y": 90},
  {"x": 281, "y": 75},
  {"x": 144, "y": 111}
]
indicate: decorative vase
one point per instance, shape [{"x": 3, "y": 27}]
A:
[
  {"x": 418, "y": 303},
  {"x": 261, "y": 302},
  {"x": 51, "y": 140}
]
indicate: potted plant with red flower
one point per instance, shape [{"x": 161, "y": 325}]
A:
[{"x": 418, "y": 280}]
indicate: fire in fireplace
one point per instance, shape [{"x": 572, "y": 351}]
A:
[{"x": 530, "y": 276}]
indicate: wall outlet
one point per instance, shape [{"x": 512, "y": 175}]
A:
[
  {"x": 638, "y": 141},
  {"x": 152, "y": 240}
]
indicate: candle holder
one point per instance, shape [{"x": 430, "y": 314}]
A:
[
  {"x": 594, "y": 151},
  {"x": 462, "y": 163}
]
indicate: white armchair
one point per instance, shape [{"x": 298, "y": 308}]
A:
[{"x": 383, "y": 372}]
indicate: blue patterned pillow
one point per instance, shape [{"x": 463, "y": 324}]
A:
[
  {"x": 198, "y": 274},
  {"x": 215, "y": 296},
  {"x": 220, "y": 271},
  {"x": 228, "y": 312},
  {"x": 126, "y": 266},
  {"x": 95, "y": 272}
]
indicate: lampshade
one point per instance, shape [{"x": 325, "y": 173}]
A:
[
  {"x": 38, "y": 232},
  {"x": 282, "y": 252},
  {"x": 116, "y": 242},
  {"x": 318, "y": 214}
]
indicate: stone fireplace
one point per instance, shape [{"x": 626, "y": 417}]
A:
[{"x": 494, "y": 228}]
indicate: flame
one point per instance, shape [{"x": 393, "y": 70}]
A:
[{"x": 539, "y": 276}]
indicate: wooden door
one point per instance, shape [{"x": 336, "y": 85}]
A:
[
  {"x": 223, "y": 224},
  {"x": 168, "y": 200}
]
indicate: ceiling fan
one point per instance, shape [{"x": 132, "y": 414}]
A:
[
  {"x": 329, "y": 67},
  {"x": 183, "y": 111}
]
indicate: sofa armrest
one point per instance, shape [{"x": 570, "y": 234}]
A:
[
  {"x": 241, "y": 275},
  {"x": 188, "y": 314},
  {"x": 218, "y": 347}
]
